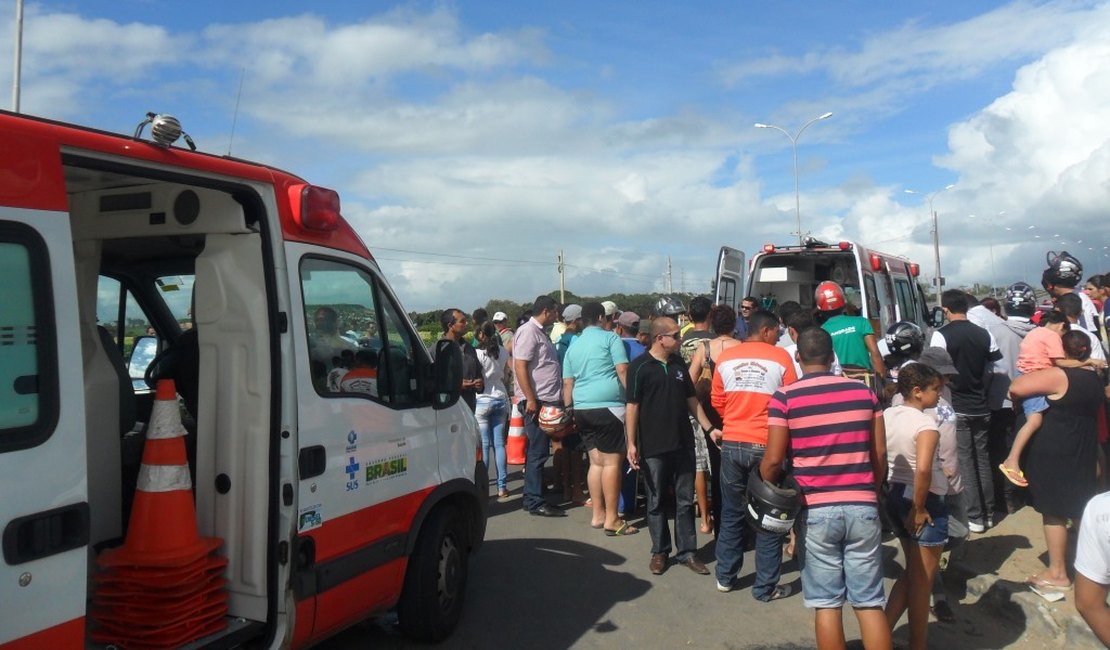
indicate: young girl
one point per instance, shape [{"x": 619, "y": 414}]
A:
[
  {"x": 1041, "y": 348},
  {"x": 915, "y": 501}
]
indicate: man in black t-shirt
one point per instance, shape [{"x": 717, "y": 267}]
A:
[
  {"x": 660, "y": 395},
  {"x": 973, "y": 351}
]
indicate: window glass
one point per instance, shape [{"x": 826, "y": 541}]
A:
[
  {"x": 177, "y": 292},
  {"x": 28, "y": 358},
  {"x": 344, "y": 341},
  {"x": 905, "y": 300},
  {"x": 19, "y": 406},
  {"x": 127, "y": 327},
  {"x": 403, "y": 358},
  {"x": 872, "y": 296},
  {"x": 727, "y": 292}
]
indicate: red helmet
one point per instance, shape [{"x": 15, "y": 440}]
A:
[
  {"x": 554, "y": 421},
  {"x": 829, "y": 296}
]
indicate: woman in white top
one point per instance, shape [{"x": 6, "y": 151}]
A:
[
  {"x": 915, "y": 501},
  {"x": 492, "y": 407}
]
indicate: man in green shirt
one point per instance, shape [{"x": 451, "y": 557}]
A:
[{"x": 853, "y": 337}]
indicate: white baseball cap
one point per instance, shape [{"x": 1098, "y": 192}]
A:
[{"x": 500, "y": 316}]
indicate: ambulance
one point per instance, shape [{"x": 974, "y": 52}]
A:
[
  {"x": 883, "y": 287},
  {"x": 126, "y": 259}
]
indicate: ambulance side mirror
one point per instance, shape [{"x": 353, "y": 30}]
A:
[
  {"x": 936, "y": 318},
  {"x": 143, "y": 352},
  {"x": 447, "y": 372}
]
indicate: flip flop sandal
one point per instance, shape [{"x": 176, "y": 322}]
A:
[
  {"x": 622, "y": 531},
  {"x": 1017, "y": 477},
  {"x": 1041, "y": 583}
]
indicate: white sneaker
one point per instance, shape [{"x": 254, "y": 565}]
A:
[
  {"x": 724, "y": 588},
  {"x": 976, "y": 527}
]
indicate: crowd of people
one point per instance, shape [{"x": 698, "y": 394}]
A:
[{"x": 791, "y": 431}]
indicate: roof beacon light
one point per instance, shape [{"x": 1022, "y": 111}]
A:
[
  {"x": 319, "y": 208},
  {"x": 164, "y": 130},
  {"x": 876, "y": 262},
  {"x": 915, "y": 269},
  {"x": 768, "y": 248},
  {"x": 845, "y": 245}
]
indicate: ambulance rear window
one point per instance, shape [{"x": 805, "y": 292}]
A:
[{"x": 28, "y": 373}]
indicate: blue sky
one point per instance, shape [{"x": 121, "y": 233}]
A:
[{"x": 622, "y": 132}]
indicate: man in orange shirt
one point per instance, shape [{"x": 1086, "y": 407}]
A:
[{"x": 745, "y": 378}]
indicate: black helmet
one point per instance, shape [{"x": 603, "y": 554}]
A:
[
  {"x": 772, "y": 508},
  {"x": 905, "y": 338},
  {"x": 1063, "y": 269},
  {"x": 668, "y": 306},
  {"x": 1020, "y": 299}
]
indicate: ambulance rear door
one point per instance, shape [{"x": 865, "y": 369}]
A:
[
  {"x": 730, "y": 277},
  {"x": 44, "y": 511}
]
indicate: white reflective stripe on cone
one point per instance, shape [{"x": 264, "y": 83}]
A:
[
  {"x": 164, "y": 478},
  {"x": 165, "y": 421}
]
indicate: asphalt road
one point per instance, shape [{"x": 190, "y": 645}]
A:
[{"x": 555, "y": 583}]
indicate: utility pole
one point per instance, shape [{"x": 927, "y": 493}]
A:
[
  {"x": 669, "y": 288},
  {"x": 562, "y": 281},
  {"x": 18, "y": 54}
]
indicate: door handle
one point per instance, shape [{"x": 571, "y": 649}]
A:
[
  {"x": 312, "y": 461},
  {"x": 47, "y": 533}
]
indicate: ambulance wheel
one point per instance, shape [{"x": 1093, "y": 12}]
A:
[{"x": 435, "y": 581}]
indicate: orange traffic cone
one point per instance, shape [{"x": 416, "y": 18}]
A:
[
  {"x": 517, "y": 443},
  {"x": 162, "y": 588},
  {"x": 163, "y": 527}
]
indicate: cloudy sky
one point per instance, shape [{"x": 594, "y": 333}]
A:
[{"x": 472, "y": 141}]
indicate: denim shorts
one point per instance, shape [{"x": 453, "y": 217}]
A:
[
  {"x": 841, "y": 556},
  {"x": 898, "y": 506},
  {"x": 1034, "y": 404}
]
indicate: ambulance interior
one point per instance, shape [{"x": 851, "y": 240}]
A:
[
  {"x": 780, "y": 278},
  {"x": 184, "y": 258}
]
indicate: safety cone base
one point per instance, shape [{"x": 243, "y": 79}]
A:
[{"x": 178, "y": 557}]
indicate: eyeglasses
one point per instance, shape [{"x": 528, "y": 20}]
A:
[{"x": 673, "y": 335}]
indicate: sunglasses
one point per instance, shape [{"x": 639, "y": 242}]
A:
[
  {"x": 747, "y": 307},
  {"x": 673, "y": 335}
]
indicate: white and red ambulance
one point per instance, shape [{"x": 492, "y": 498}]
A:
[
  {"x": 333, "y": 505},
  {"x": 882, "y": 286}
]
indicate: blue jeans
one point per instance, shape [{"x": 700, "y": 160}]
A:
[
  {"x": 673, "y": 469},
  {"x": 738, "y": 461},
  {"x": 539, "y": 450},
  {"x": 492, "y": 414},
  {"x": 841, "y": 557}
]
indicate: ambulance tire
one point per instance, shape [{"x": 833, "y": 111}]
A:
[{"x": 435, "y": 581}]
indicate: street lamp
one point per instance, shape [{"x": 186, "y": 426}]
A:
[
  {"x": 794, "y": 145},
  {"x": 936, "y": 234},
  {"x": 990, "y": 246}
]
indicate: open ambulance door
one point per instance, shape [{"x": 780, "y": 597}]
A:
[
  {"x": 730, "y": 277},
  {"x": 44, "y": 510}
]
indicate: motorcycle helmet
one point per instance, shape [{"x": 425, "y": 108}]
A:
[
  {"x": 554, "y": 421},
  {"x": 1020, "y": 299},
  {"x": 1063, "y": 270},
  {"x": 668, "y": 306},
  {"x": 905, "y": 338},
  {"x": 829, "y": 296},
  {"x": 773, "y": 508}
]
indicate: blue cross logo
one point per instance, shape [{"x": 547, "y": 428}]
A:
[{"x": 352, "y": 467}]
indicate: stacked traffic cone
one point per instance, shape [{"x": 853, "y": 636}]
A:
[
  {"x": 517, "y": 444},
  {"x": 163, "y": 588}
]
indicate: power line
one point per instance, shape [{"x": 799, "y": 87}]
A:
[{"x": 512, "y": 261}]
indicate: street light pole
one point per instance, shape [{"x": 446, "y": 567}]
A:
[
  {"x": 936, "y": 235},
  {"x": 794, "y": 145}
]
